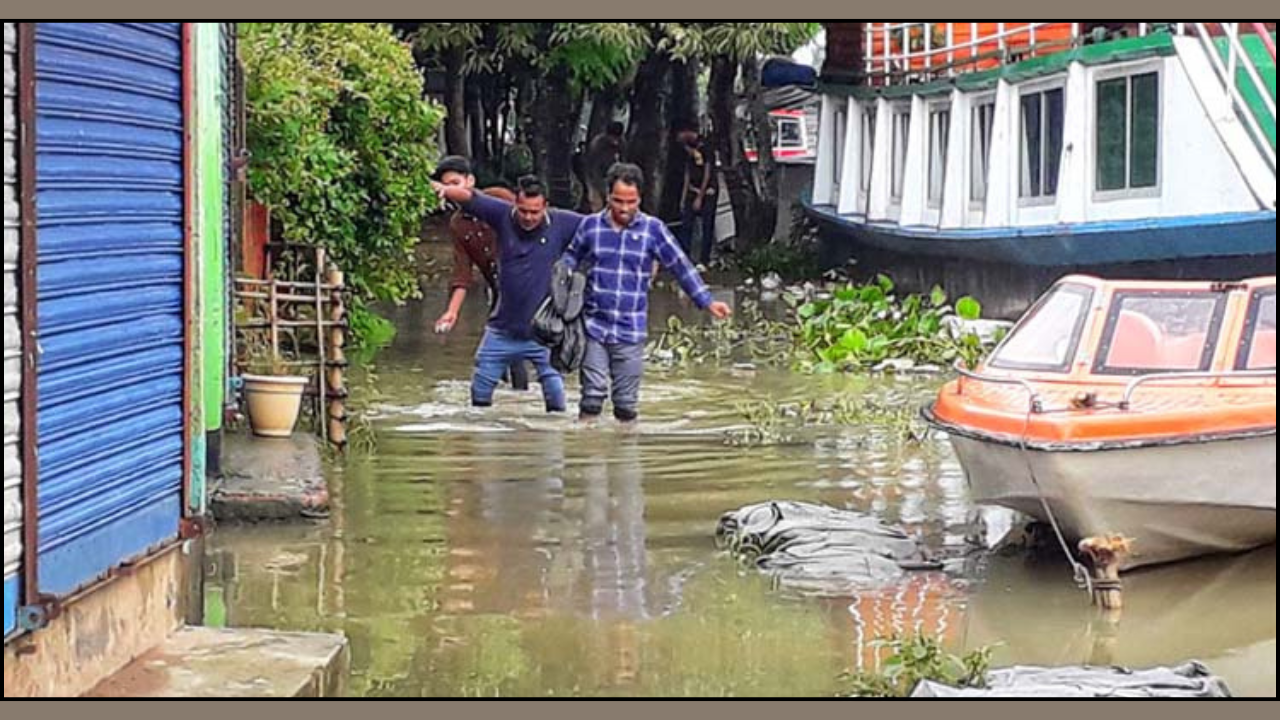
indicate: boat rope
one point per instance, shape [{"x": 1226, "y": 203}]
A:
[{"x": 1083, "y": 579}]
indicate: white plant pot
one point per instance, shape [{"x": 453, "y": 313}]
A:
[{"x": 274, "y": 404}]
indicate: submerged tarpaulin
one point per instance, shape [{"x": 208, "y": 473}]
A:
[
  {"x": 1192, "y": 680},
  {"x": 820, "y": 550}
]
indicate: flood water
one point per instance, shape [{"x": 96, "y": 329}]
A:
[{"x": 503, "y": 553}]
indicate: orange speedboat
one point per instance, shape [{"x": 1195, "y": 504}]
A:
[{"x": 1138, "y": 409}]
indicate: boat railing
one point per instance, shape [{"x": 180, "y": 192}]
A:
[
  {"x": 1228, "y": 70},
  {"x": 1037, "y": 406},
  {"x": 1136, "y": 384},
  {"x": 945, "y": 49},
  {"x": 1131, "y": 389},
  {"x": 946, "y": 56}
]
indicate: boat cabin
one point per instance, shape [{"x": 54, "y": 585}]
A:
[{"x": 1086, "y": 327}]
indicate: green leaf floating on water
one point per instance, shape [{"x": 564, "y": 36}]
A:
[{"x": 968, "y": 308}]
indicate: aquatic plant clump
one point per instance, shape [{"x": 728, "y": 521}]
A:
[
  {"x": 894, "y": 421},
  {"x": 859, "y": 327},
  {"x": 919, "y": 659},
  {"x": 844, "y": 328}
]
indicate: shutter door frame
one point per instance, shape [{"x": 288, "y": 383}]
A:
[
  {"x": 14, "y": 514},
  {"x": 88, "y": 542}
]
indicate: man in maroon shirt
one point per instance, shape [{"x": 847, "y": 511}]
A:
[{"x": 474, "y": 248}]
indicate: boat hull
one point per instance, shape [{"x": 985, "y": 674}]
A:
[
  {"x": 1176, "y": 501},
  {"x": 1008, "y": 268}
]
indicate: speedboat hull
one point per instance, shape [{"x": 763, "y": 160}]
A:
[{"x": 1175, "y": 500}]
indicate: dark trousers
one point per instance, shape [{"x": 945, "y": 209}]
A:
[
  {"x": 612, "y": 370},
  {"x": 518, "y": 375},
  {"x": 694, "y": 224}
]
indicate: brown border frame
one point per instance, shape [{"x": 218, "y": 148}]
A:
[
  {"x": 189, "y": 318},
  {"x": 42, "y": 608},
  {"x": 30, "y": 317}
]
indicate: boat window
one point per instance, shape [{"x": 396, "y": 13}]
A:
[
  {"x": 984, "y": 123},
  {"x": 939, "y": 135},
  {"x": 901, "y": 133},
  {"x": 1161, "y": 332},
  {"x": 1042, "y": 128},
  {"x": 790, "y": 134},
  {"x": 1262, "y": 336},
  {"x": 1128, "y": 132},
  {"x": 868, "y": 146},
  {"x": 1047, "y": 338},
  {"x": 841, "y": 114}
]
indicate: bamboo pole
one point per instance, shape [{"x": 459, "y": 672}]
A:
[
  {"x": 268, "y": 303},
  {"x": 288, "y": 324},
  {"x": 273, "y": 320},
  {"x": 284, "y": 284},
  {"x": 283, "y": 298},
  {"x": 322, "y": 406},
  {"x": 337, "y": 358}
]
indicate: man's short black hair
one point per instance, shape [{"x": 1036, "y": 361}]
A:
[
  {"x": 531, "y": 186},
  {"x": 452, "y": 164},
  {"x": 627, "y": 174},
  {"x": 616, "y": 128}
]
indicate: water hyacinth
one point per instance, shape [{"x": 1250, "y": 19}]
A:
[{"x": 844, "y": 327}]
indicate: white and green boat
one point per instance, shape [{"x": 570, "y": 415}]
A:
[{"x": 994, "y": 158}]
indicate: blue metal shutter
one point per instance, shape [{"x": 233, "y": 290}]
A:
[
  {"x": 12, "y": 339},
  {"x": 109, "y": 185}
]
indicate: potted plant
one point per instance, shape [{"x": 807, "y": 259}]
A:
[{"x": 273, "y": 395}]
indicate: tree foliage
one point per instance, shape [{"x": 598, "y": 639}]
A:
[
  {"x": 594, "y": 54},
  {"x": 343, "y": 144}
]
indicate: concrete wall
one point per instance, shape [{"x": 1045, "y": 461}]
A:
[
  {"x": 12, "y": 339},
  {"x": 99, "y": 634}
]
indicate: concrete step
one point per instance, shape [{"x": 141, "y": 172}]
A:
[
  {"x": 208, "y": 663},
  {"x": 270, "y": 480}
]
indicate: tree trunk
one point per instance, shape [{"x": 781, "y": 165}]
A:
[
  {"x": 556, "y": 113},
  {"x": 603, "y": 105},
  {"x": 476, "y": 125},
  {"x": 648, "y": 140},
  {"x": 684, "y": 112},
  {"x": 494, "y": 98},
  {"x": 527, "y": 120},
  {"x": 455, "y": 101},
  {"x": 766, "y": 168},
  {"x": 728, "y": 143}
]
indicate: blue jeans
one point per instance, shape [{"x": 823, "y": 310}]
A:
[{"x": 497, "y": 353}]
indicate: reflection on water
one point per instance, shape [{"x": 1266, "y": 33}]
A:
[
  {"x": 507, "y": 553},
  {"x": 1213, "y": 610}
]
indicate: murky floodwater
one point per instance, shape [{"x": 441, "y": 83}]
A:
[{"x": 504, "y": 553}]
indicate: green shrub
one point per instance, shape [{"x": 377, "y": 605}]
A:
[{"x": 342, "y": 144}]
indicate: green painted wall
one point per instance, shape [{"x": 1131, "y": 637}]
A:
[
  {"x": 209, "y": 150},
  {"x": 210, "y": 329}
]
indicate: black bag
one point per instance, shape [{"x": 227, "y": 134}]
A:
[{"x": 559, "y": 323}]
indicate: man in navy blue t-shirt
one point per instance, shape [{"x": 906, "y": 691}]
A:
[{"x": 531, "y": 238}]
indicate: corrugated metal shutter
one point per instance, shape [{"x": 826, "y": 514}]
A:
[
  {"x": 12, "y": 338},
  {"x": 109, "y": 139}
]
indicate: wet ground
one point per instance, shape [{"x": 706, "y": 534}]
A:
[{"x": 502, "y": 553}]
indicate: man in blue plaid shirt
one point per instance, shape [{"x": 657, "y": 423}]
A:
[{"x": 621, "y": 245}]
